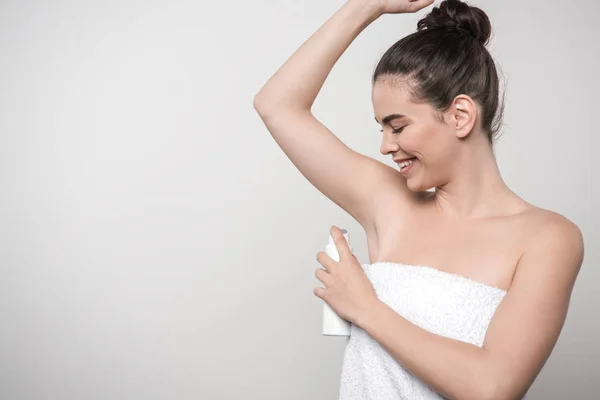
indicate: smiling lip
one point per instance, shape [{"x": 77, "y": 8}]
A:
[
  {"x": 403, "y": 159},
  {"x": 404, "y": 170}
]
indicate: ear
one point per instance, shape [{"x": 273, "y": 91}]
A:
[{"x": 464, "y": 115}]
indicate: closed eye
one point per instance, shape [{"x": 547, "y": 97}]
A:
[{"x": 399, "y": 130}]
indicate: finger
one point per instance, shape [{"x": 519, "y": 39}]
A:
[
  {"x": 326, "y": 261},
  {"x": 320, "y": 292},
  {"x": 416, "y": 5},
  {"x": 323, "y": 276},
  {"x": 340, "y": 243}
]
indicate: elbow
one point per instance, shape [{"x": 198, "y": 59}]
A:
[
  {"x": 489, "y": 391},
  {"x": 269, "y": 106},
  {"x": 494, "y": 388},
  {"x": 478, "y": 387},
  {"x": 482, "y": 384},
  {"x": 264, "y": 105},
  {"x": 258, "y": 104},
  {"x": 480, "y": 390},
  {"x": 491, "y": 382}
]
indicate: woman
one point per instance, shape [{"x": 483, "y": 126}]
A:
[{"x": 470, "y": 285}]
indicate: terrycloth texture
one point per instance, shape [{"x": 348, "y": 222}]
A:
[{"x": 440, "y": 302}]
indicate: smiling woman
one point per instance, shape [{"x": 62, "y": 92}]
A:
[{"x": 469, "y": 284}]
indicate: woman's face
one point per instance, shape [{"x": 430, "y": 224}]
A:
[{"x": 419, "y": 133}]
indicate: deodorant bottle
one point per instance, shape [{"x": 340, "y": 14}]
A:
[{"x": 333, "y": 324}]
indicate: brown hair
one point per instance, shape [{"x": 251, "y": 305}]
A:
[{"x": 447, "y": 57}]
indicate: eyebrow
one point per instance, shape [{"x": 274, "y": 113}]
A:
[{"x": 390, "y": 117}]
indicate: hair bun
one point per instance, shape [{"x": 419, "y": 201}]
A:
[{"x": 455, "y": 15}]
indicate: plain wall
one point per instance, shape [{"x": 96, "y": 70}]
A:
[{"x": 155, "y": 241}]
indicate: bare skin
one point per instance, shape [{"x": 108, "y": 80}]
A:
[{"x": 473, "y": 225}]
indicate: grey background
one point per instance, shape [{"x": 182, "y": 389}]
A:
[{"x": 155, "y": 242}]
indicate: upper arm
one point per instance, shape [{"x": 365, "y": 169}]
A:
[
  {"x": 351, "y": 180},
  {"x": 529, "y": 320}
]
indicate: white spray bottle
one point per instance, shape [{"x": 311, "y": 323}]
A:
[{"x": 333, "y": 324}]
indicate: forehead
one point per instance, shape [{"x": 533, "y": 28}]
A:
[
  {"x": 391, "y": 97},
  {"x": 388, "y": 88}
]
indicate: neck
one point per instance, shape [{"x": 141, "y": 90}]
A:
[{"x": 476, "y": 189}]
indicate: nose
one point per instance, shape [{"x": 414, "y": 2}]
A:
[{"x": 388, "y": 146}]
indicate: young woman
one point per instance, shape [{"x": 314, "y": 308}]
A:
[{"x": 469, "y": 284}]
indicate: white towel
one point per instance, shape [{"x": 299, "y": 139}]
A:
[{"x": 446, "y": 304}]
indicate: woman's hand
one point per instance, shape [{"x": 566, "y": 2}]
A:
[
  {"x": 401, "y": 6},
  {"x": 347, "y": 290}
]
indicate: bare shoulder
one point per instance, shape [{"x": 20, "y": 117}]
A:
[
  {"x": 528, "y": 322},
  {"x": 550, "y": 225},
  {"x": 554, "y": 236}
]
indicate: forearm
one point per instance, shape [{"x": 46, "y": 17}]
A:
[
  {"x": 455, "y": 369},
  {"x": 299, "y": 80}
]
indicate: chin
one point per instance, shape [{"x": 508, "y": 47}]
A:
[
  {"x": 414, "y": 185},
  {"x": 418, "y": 186}
]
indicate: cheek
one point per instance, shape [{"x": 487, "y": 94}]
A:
[
  {"x": 435, "y": 153},
  {"x": 439, "y": 161},
  {"x": 425, "y": 144}
]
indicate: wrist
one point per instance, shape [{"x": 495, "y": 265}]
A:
[
  {"x": 370, "y": 8},
  {"x": 365, "y": 319}
]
